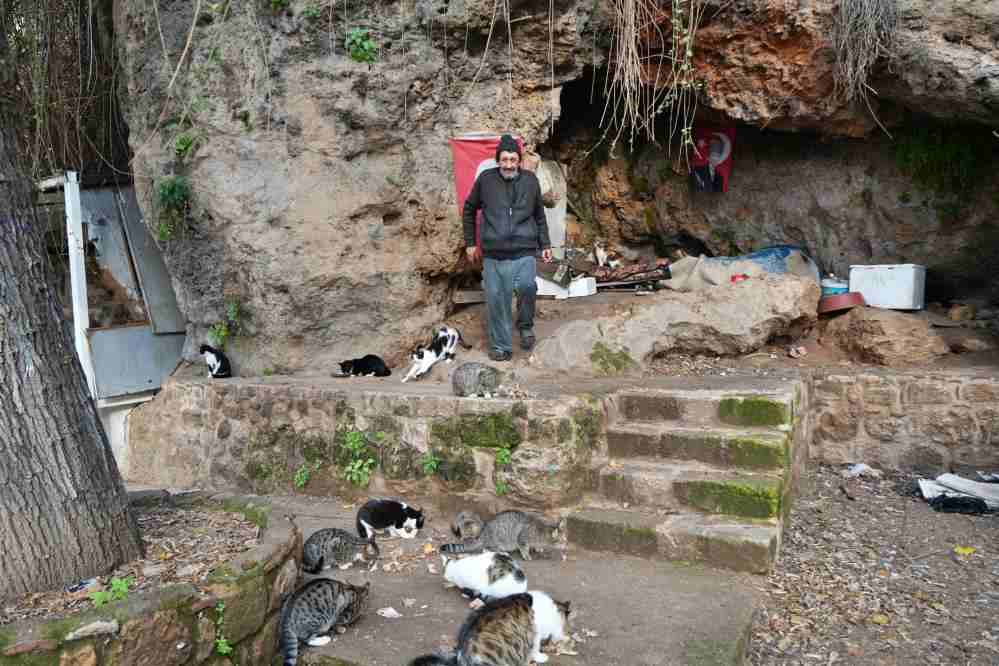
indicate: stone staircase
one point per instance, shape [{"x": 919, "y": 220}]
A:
[{"x": 701, "y": 475}]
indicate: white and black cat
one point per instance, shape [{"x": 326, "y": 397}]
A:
[
  {"x": 218, "y": 364},
  {"x": 366, "y": 366},
  {"x": 485, "y": 576},
  {"x": 442, "y": 347},
  {"x": 397, "y": 517}
]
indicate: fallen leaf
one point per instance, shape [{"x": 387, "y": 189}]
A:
[
  {"x": 879, "y": 618},
  {"x": 428, "y": 549},
  {"x": 964, "y": 551},
  {"x": 389, "y": 612}
]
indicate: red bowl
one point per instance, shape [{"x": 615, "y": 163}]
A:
[{"x": 840, "y": 302}]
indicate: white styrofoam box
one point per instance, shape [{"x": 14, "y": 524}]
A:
[
  {"x": 890, "y": 286},
  {"x": 581, "y": 286}
]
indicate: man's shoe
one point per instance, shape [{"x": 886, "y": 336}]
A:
[
  {"x": 527, "y": 341},
  {"x": 496, "y": 355}
]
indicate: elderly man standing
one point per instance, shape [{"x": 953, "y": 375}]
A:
[{"x": 514, "y": 228}]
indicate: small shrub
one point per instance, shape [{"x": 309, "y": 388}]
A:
[
  {"x": 430, "y": 463},
  {"x": 278, "y": 6},
  {"x": 304, "y": 473},
  {"x": 118, "y": 591},
  {"x": 312, "y": 13},
  {"x": 503, "y": 456},
  {"x": 360, "y": 46},
  {"x": 358, "y": 472},
  {"x": 184, "y": 145},
  {"x": 221, "y": 642},
  {"x": 502, "y": 488},
  {"x": 219, "y": 334},
  {"x": 173, "y": 196}
]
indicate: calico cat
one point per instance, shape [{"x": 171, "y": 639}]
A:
[
  {"x": 397, "y": 517},
  {"x": 313, "y": 610},
  {"x": 512, "y": 531},
  {"x": 501, "y": 633},
  {"x": 442, "y": 347},
  {"x": 466, "y": 525},
  {"x": 485, "y": 576},
  {"x": 335, "y": 547},
  {"x": 475, "y": 379},
  {"x": 218, "y": 363},
  {"x": 366, "y": 366}
]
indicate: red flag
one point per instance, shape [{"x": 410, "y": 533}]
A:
[
  {"x": 472, "y": 154},
  {"x": 711, "y": 159}
]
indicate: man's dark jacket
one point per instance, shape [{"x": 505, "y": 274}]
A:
[{"x": 513, "y": 215}]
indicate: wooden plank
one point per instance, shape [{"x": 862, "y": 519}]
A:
[{"x": 469, "y": 296}]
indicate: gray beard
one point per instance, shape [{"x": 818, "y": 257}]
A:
[{"x": 508, "y": 174}]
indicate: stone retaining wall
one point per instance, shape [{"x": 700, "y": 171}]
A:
[
  {"x": 275, "y": 437},
  {"x": 178, "y": 624},
  {"x": 898, "y": 420}
]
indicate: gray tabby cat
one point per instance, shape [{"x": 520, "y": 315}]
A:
[
  {"x": 467, "y": 525},
  {"x": 475, "y": 379},
  {"x": 315, "y": 609},
  {"x": 501, "y": 633},
  {"x": 513, "y": 531},
  {"x": 335, "y": 547}
]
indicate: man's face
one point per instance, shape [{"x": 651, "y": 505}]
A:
[{"x": 509, "y": 164}]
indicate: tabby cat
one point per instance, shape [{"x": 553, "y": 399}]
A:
[
  {"x": 466, "y": 525},
  {"x": 513, "y": 531},
  {"x": 501, "y": 633},
  {"x": 318, "y": 607},
  {"x": 475, "y": 379},
  {"x": 335, "y": 547}
]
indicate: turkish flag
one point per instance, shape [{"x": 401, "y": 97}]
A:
[
  {"x": 711, "y": 159},
  {"x": 472, "y": 154}
]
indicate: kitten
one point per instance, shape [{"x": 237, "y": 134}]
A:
[
  {"x": 485, "y": 576},
  {"x": 318, "y": 607},
  {"x": 466, "y": 525},
  {"x": 366, "y": 366},
  {"x": 501, "y": 633},
  {"x": 475, "y": 379},
  {"x": 218, "y": 364},
  {"x": 512, "y": 531},
  {"x": 442, "y": 347},
  {"x": 397, "y": 517},
  {"x": 335, "y": 547}
]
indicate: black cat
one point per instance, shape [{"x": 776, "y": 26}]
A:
[
  {"x": 366, "y": 366},
  {"x": 218, "y": 364},
  {"x": 396, "y": 516}
]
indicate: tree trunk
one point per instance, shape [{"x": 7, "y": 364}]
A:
[{"x": 64, "y": 514}]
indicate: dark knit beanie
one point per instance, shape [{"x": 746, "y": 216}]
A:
[{"x": 507, "y": 144}]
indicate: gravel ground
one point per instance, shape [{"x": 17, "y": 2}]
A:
[{"x": 870, "y": 574}]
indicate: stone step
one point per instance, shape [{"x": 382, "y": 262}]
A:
[
  {"x": 687, "y": 487},
  {"x": 714, "y": 540},
  {"x": 723, "y": 447},
  {"x": 708, "y": 407}
]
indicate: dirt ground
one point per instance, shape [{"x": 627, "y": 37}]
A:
[{"x": 869, "y": 574}]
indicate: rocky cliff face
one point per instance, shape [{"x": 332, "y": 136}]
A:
[{"x": 322, "y": 194}]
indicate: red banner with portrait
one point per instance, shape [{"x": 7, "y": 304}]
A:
[{"x": 473, "y": 154}]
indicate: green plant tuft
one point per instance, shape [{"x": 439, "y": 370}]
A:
[
  {"x": 360, "y": 46},
  {"x": 117, "y": 592},
  {"x": 430, "y": 463},
  {"x": 173, "y": 196}
]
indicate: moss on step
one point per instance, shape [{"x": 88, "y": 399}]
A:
[
  {"x": 619, "y": 537},
  {"x": 751, "y": 498},
  {"x": 609, "y": 362},
  {"x": 257, "y": 514},
  {"x": 479, "y": 431},
  {"x": 753, "y": 411},
  {"x": 756, "y": 453}
]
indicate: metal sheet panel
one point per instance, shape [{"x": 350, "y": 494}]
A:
[
  {"x": 161, "y": 302},
  {"x": 130, "y": 359},
  {"x": 104, "y": 230}
]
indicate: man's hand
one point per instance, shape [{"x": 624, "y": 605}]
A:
[
  {"x": 546, "y": 255},
  {"x": 472, "y": 253}
]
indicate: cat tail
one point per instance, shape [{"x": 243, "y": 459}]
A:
[
  {"x": 464, "y": 547},
  {"x": 361, "y": 531},
  {"x": 436, "y": 659},
  {"x": 461, "y": 340},
  {"x": 287, "y": 640}
]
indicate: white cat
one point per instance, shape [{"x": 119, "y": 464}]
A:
[
  {"x": 485, "y": 576},
  {"x": 551, "y": 621}
]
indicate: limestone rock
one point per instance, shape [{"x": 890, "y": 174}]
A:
[
  {"x": 885, "y": 337},
  {"x": 726, "y": 320}
]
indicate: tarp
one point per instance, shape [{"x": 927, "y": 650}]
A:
[
  {"x": 472, "y": 154},
  {"x": 696, "y": 273},
  {"x": 711, "y": 159}
]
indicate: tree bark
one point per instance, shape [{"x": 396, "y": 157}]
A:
[{"x": 64, "y": 513}]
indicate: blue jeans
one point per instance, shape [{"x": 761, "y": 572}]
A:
[{"x": 502, "y": 277}]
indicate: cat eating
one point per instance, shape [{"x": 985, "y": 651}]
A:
[
  {"x": 218, "y": 364},
  {"x": 336, "y": 547},
  {"x": 366, "y": 366},
  {"x": 512, "y": 531},
  {"x": 400, "y": 519},
  {"x": 318, "y": 607},
  {"x": 485, "y": 576},
  {"x": 442, "y": 347}
]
